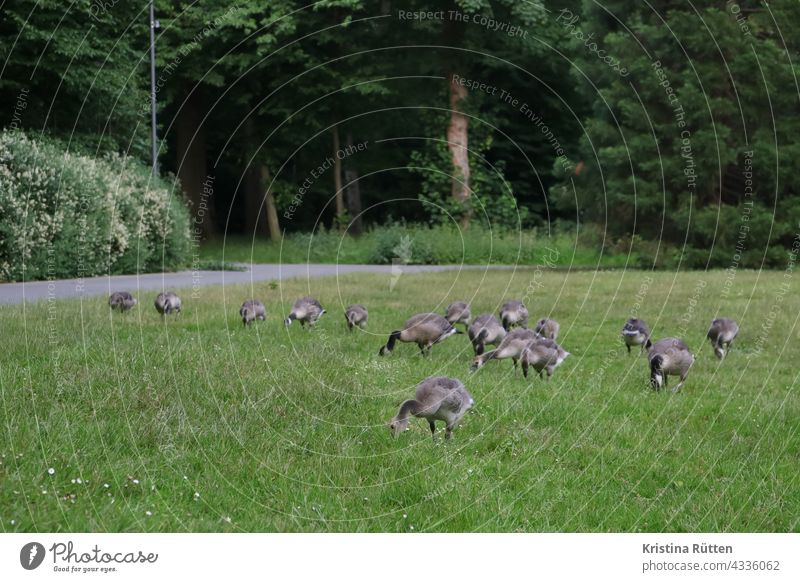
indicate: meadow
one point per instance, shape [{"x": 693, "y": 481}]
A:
[{"x": 124, "y": 422}]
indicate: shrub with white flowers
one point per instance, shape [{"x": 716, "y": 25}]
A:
[{"x": 64, "y": 214}]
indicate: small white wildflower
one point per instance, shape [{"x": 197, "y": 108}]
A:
[
  {"x": 148, "y": 513},
  {"x": 412, "y": 528},
  {"x": 135, "y": 481},
  {"x": 106, "y": 485},
  {"x": 72, "y": 481},
  {"x": 78, "y": 481},
  {"x": 44, "y": 491},
  {"x": 405, "y": 516},
  {"x": 13, "y": 521},
  {"x": 227, "y": 519},
  {"x": 51, "y": 471}
]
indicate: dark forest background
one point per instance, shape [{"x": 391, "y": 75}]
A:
[{"x": 666, "y": 126}]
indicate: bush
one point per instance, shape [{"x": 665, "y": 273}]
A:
[{"x": 66, "y": 215}]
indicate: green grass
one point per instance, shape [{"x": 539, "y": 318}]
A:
[
  {"x": 212, "y": 427},
  {"x": 432, "y": 245}
]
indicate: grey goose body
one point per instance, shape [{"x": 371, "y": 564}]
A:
[
  {"x": 424, "y": 329},
  {"x": 167, "y": 303},
  {"x": 252, "y": 310},
  {"x": 356, "y": 315},
  {"x": 436, "y": 398},
  {"x": 669, "y": 357},
  {"x": 306, "y": 310},
  {"x": 722, "y": 333},
  {"x": 486, "y": 329},
  {"x": 122, "y": 301}
]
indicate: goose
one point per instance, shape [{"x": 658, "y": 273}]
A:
[
  {"x": 167, "y": 303},
  {"x": 122, "y": 301},
  {"x": 356, "y": 315},
  {"x": 669, "y": 356},
  {"x": 544, "y": 355},
  {"x": 305, "y": 310},
  {"x": 252, "y": 310},
  {"x": 548, "y": 328},
  {"x": 437, "y": 398},
  {"x": 636, "y": 333},
  {"x": 514, "y": 313},
  {"x": 485, "y": 330},
  {"x": 512, "y": 347},
  {"x": 722, "y": 333},
  {"x": 458, "y": 312},
  {"x": 425, "y": 329}
]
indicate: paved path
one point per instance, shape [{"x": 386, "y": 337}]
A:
[{"x": 69, "y": 288}]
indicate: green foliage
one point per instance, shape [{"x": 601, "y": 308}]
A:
[
  {"x": 78, "y": 70},
  {"x": 667, "y": 148},
  {"x": 439, "y": 244},
  {"x": 67, "y": 215}
]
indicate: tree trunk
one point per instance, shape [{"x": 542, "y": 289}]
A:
[
  {"x": 190, "y": 145},
  {"x": 337, "y": 179},
  {"x": 353, "y": 191},
  {"x": 253, "y": 201},
  {"x": 261, "y": 215},
  {"x": 273, "y": 226},
  {"x": 457, "y": 142}
]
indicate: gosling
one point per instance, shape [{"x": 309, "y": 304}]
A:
[
  {"x": 669, "y": 357},
  {"x": 512, "y": 347},
  {"x": 306, "y": 310},
  {"x": 486, "y": 329},
  {"x": 424, "y": 329},
  {"x": 356, "y": 316},
  {"x": 543, "y": 355},
  {"x": 458, "y": 312},
  {"x": 167, "y": 303},
  {"x": 437, "y": 398},
  {"x": 514, "y": 313},
  {"x": 252, "y": 310},
  {"x": 548, "y": 328},
  {"x": 722, "y": 333},
  {"x": 636, "y": 333},
  {"x": 122, "y": 301}
]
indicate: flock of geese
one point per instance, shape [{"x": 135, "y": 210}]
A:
[{"x": 446, "y": 399}]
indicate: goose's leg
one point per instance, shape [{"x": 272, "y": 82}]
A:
[
  {"x": 680, "y": 384},
  {"x": 525, "y": 368},
  {"x": 448, "y": 432},
  {"x": 549, "y": 373},
  {"x": 432, "y": 424},
  {"x": 629, "y": 348}
]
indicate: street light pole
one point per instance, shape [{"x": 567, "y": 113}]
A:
[{"x": 153, "y": 137}]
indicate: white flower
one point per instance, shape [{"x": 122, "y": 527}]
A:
[
  {"x": 148, "y": 513},
  {"x": 51, "y": 471}
]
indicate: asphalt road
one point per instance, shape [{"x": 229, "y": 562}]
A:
[{"x": 11, "y": 293}]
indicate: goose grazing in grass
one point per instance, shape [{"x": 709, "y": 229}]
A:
[
  {"x": 548, "y": 328},
  {"x": 252, "y": 310},
  {"x": 458, "y": 312},
  {"x": 122, "y": 301},
  {"x": 512, "y": 347},
  {"x": 636, "y": 333},
  {"x": 356, "y": 315},
  {"x": 167, "y": 303},
  {"x": 437, "y": 398},
  {"x": 669, "y": 357},
  {"x": 424, "y": 329},
  {"x": 485, "y": 330},
  {"x": 514, "y": 313},
  {"x": 722, "y": 333},
  {"x": 543, "y": 355},
  {"x": 305, "y": 310}
]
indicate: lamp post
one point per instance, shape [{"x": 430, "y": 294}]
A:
[{"x": 153, "y": 137}]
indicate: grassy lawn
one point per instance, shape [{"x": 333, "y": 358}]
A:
[{"x": 196, "y": 424}]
